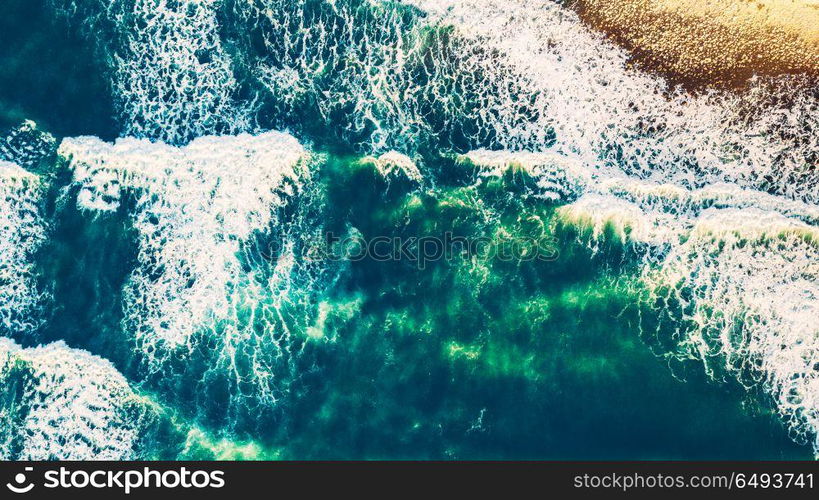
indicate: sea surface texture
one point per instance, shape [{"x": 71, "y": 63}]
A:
[{"x": 444, "y": 229}]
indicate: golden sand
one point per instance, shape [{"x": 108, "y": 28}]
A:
[{"x": 712, "y": 42}]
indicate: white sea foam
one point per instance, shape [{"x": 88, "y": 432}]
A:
[
  {"x": 194, "y": 207},
  {"x": 608, "y": 114},
  {"x": 735, "y": 268},
  {"x": 65, "y": 404},
  {"x": 517, "y": 75},
  {"x": 379, "y": 75},
  {"x": 22, "y": 231},
  {"x": 171, "y": 78},
  {"x": 348, "y": 56},
  {"x": 501, "y": 74},
  {"x": 26, "y": 145},
  {"x": 559, "y": 178},
  {"x": 748, "y": 282},
  {"x": 200, "y": 283},
  {"x": 393, "y": 164}
]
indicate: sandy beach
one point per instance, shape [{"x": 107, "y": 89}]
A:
[{"x": 705, "y": 42}]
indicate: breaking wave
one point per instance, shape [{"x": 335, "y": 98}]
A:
[
  {"x": 22, "y": 231},
  {"x": 65, "y": 404},
  {"x": 733, "y": 270},
  {"x": 206, "y": 299},
  {"x": 169, "y": 74}
]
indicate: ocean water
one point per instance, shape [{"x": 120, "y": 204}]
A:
[{"x": 582, "y": 261}]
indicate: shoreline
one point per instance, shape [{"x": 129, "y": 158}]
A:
[{"x": 699, "y": 44}]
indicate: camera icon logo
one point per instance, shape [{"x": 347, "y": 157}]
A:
[{"x": 20, "y": 480}]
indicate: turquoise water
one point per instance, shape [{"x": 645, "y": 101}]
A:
[{"x": 180, "y": 270}]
